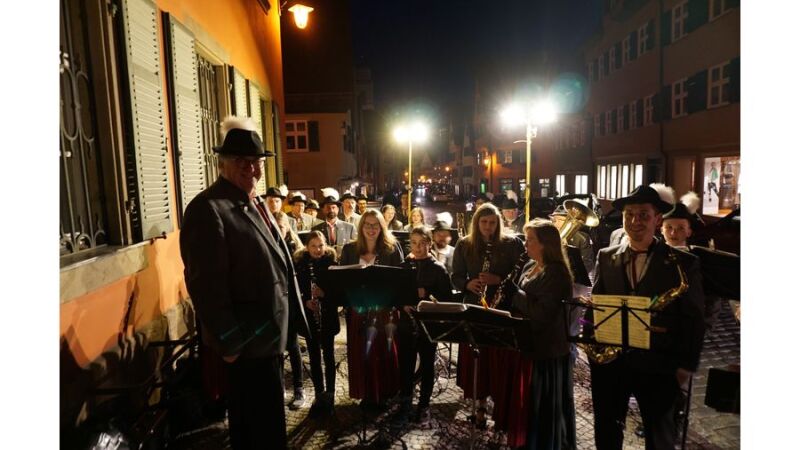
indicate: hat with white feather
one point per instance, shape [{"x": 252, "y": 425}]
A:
[
  {"x": 657, "y": 194},
  {"x": 511, "y": 201},
  {"x": 686, "y": 208},
  {"x": 329, "y": 195},
  {"x": 444, "y": 221}
]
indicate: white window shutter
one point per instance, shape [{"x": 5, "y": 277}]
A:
[
  {"x": 148, "y": 177},
  {"x": 188, "y": 135},
  {"x": 239, "y": 94}
]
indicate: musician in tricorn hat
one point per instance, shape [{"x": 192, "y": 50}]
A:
[{"x": 646, "y": 266}]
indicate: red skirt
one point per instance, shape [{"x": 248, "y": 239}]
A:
[
  {"x": 374, "y": 371},
  {"x": 466, "y": 371},
  {"x": 510, "y": 390}
]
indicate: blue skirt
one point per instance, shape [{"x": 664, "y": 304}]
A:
[{"x": 551, "y": 424}]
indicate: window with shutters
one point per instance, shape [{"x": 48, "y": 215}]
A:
[
  {"x": 82, "y": 212},
  {"x": 680, "y": 14},
  {"x": 239, "y": 93},
  {"x": 185, "y": 107},
  {"x": 648, "y": 110},
  {"x": 601, "y": 181},
  {"x": 717, "y": 8},
  {"x": 581, "y": 184},
  {"x": 609, "y": 122},
  {"x": 561, "y": 184},
  {"x": 612, "y": 59},
  {"x": 598, "y": 125},
  {"x": 633, "y": 122},
  {"x": 208, "y": 75},
  {"x": 626, "y": 50},
  {"x": 620, "y": 119},
  {"x": 508, "y": 157},
  {"x": 297, "y": 135},
  {"x": 679, "y": 96},
  {"x": 643, "y": 39},
  {"x": 719, "y": 85},
  {"x": 147, "y": 165}
]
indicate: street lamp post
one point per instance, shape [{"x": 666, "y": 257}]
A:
[
  {"x": 539, "y": 113},
  {"x": 410, "y": 133}
]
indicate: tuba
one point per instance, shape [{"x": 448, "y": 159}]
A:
[
  {"x": 603, "y": 354},
  {"x": 578, "y": 215}
]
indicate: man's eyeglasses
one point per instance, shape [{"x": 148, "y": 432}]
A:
[{"x": 243, "y": 163}]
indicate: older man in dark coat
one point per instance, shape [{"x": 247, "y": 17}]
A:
[
  {"x": 240, "y": 277},
  {"x": 646, "y": 266}
]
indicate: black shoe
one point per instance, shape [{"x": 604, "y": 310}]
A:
[
  {"x": 423, "y": 416},
  {"x": 317, "y": 408}
]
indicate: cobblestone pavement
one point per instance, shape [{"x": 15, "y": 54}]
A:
[{"x": 449, "y": 428}]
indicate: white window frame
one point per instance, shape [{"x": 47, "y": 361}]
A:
[
  {"x": 597, "y": 124},
  {"x": 638, "y": 175},
  {"x": 642, "y": 39},
  {"x": 625, "y": 181},
  {"x": 613, "y": 185},
  {"x": 608, "y": 122},
  {"x": 626, "y": 50},
  {"x": 620, "y": 119},
  {"x": 723, "y": 8},
  {"x": 561, "y": 184},
  {"x": 612, "y": 59},
  {"x": 680, "y": 15},
  {"x": 632, "y": 115},
  {"x": 297, "y": 134},
  {"x": 722, "y": 85},
  {"x": 648, "y": 110},
  {"x": 679, "y": 98},
  {"x": 581, "y": 184}
]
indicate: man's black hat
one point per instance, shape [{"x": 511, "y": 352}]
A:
[
  {"x": 680, "y": 211},
  {"x": 347, "y": 195},
  {"x": 275, "y": 192},
  {"x": 640, "y": 195},
  {"x": 361, "y": 197},
  {"x": 311, "y": 203},
  {"x": 240, "y": 142},
  {"x": 298, "y": 197},
  {"x": 441, "y": 225}
]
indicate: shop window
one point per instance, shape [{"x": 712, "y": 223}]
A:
[
  {"x": 721, "y": 185},
  {"x": 560, "y": 184}
]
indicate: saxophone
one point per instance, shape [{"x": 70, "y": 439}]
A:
[
  {"x": 487, "y": 262},
  {"x": 317, "y": 312},
  {"x": 499, "y": 299},
  {"x": 603, "y": 354}
]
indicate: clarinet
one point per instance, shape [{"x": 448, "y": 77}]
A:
[
  {"x": 317, "y": 312},
  {"x": 487, "y": 262},
  {"x": 499, "y": 299}
]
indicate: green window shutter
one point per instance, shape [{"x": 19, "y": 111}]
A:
[
  {"x": 147, "y": 166},
  {"x": 276, "y": 134},
  {"x": 634, "y": 36},
  {"x": 666, "y": 28},
  {"x": 639, "y": 112},
  {"x": 736, "y": 85},
  {"x": 185, "y": 95},
  {"x": 627, "y": 117},
  {"x": 255, "y": 114},
  {"x": 651, "y": 34},
  {"x": 698, "y": 14},
  {"x": 313, "y": 136},
  {"x": 697, "y": 95},
  {"x": 239, "y": 94}
]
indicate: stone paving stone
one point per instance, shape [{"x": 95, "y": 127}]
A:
[{"x": 449, "y": 429}]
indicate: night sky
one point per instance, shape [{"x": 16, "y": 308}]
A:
[{"x": 430, "y": 52}]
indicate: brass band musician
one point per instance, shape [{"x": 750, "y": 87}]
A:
[{"x": 646, "y": 266}]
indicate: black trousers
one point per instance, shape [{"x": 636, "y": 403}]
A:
[
  {"x": 319, "y": 348},
  {"x": 295, "y": 359},
  {"x": 412, "y": 342},
  {"x": 656, "y": 394},
  {"x": 256, "y": 413}
]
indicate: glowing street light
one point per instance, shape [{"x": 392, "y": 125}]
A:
[
  {"x": 300, "y": 13},
  {"x": 415, "y": 132},
  {"x": 533, "y": 115}
]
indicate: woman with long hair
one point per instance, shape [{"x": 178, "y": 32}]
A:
[
  {"x": 390, "y": 216},
  {"x": 542, "y": 380},
  {"x": 480, "y": 262},
  {"x": 310, "y": 264},
  {"x": 417, "y": 219},
  {"x": 373, "y": 377}
]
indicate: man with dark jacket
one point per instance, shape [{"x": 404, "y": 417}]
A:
[
  {"x": 646, "y": 266},
  {"x": 241, "y": 280}
]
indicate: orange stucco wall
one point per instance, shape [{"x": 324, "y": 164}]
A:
[{"x": 90, "y": 323}]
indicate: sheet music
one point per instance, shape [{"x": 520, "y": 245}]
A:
[
  {"x": 610, "y": 331},
  {"x": 348, "y": 266}
]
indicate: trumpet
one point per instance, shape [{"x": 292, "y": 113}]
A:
[{"x": 487, "y": 262}]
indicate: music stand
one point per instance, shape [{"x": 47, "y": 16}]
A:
[
  {"x": 623, "y": 310},
  {"x": 366, "y": 288},
  {"x": 475, "y": 326}
]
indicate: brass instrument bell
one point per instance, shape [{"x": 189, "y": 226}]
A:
[{"x": 578, "y": 214}]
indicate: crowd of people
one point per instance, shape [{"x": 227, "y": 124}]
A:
[{"x": 257, "y": 287}]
